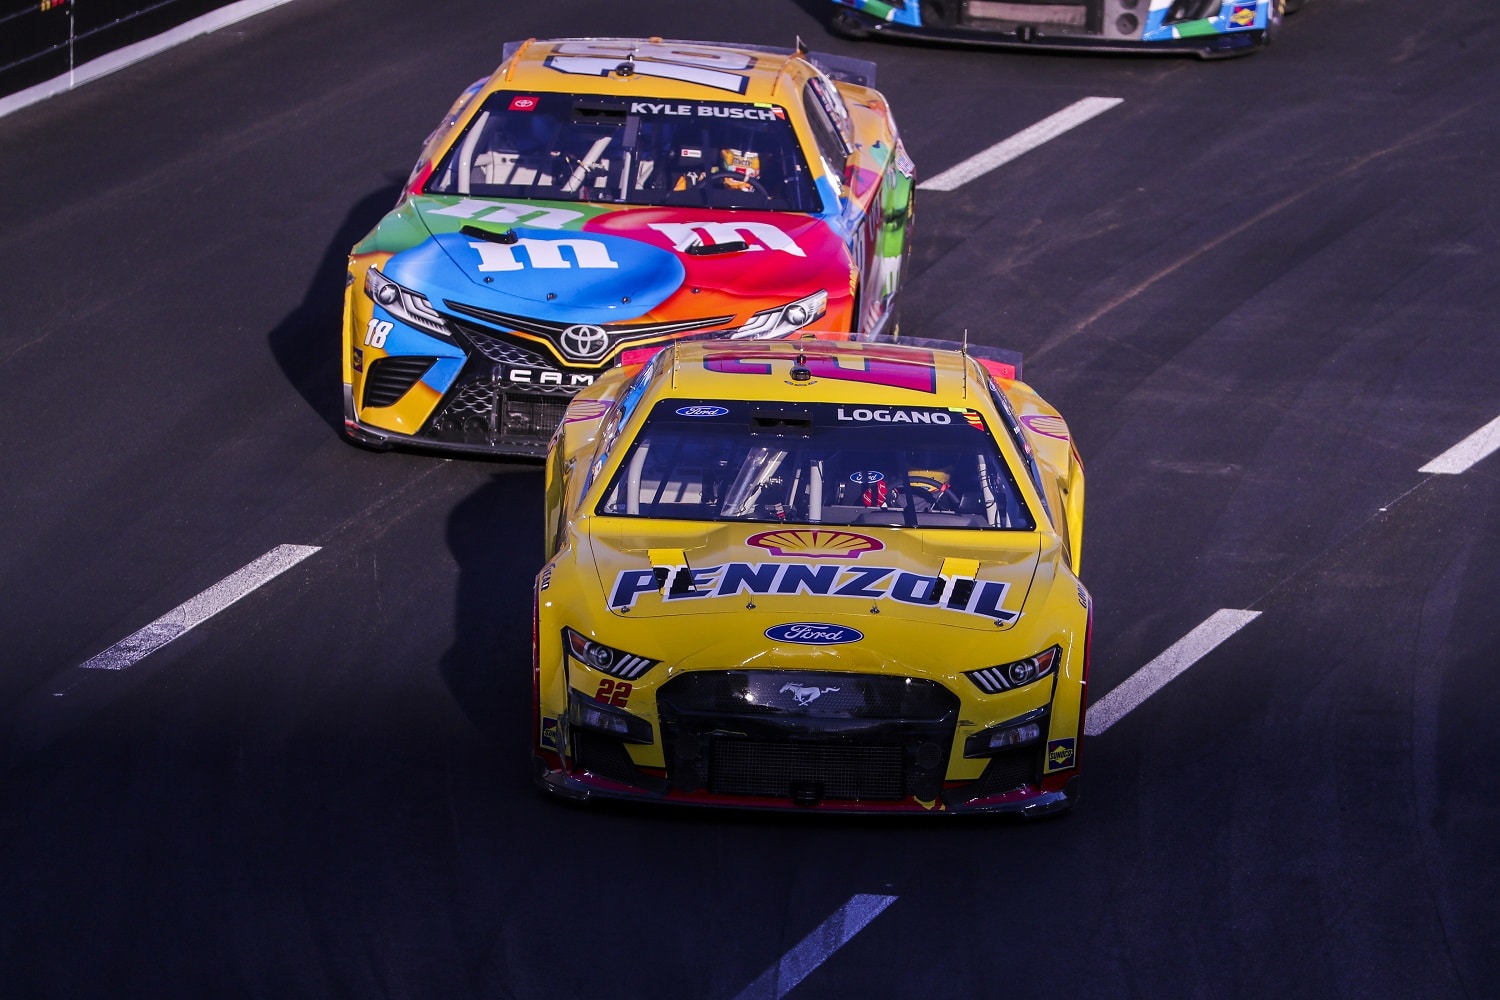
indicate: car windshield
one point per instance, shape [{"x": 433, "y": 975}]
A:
[
  {"x": 565, "y": 147},
  {"x": 825, "y": 463}
]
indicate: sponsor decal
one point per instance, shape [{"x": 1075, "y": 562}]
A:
[
  {"x": 357, "y": 359},
  {"x": 1060, "y": 754},
  {"x": 548, "y": 376},
  {"x": 813, "y": 634},
  {"x": 815, "y": 542},
  {"x": 1242, "y": 15},
  {"x": 701, "y": 411},
  {"x": 1083, "y": 596},
  {"x": 549, "y": 733},
  {"x": 508, "y": 212},
  {"x": 587, "y": 409},
  {"x": 860, "y": 414},
  {"x": 866, "y": 477},
  {"x": 985, "y": 599},
  {"x": 1047, "y": 426},
  {"x": 588, "y": 255},
  {"x": 974, "y": 420},
  {"x": 584, "y": 341},
  {"x": 744, "y": 112},
  {"x": 523, "y": 103},
  {"x": 755, "y": 235},
  {"x": 805, "y": 695}
]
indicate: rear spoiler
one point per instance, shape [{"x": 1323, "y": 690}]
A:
[
  {"x": 846, "y": 69},
  {"x": 996, "y": 360}
]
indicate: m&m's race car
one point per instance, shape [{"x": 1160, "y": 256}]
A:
[
  {"x": 595, "y": 196},
  {"x": 811, "y": 574},
  {"x": 1206, "y": 28}
]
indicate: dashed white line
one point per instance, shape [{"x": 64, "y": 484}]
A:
[
  {"x": 197, "y": 610},
  {"x": 831, "y": 935},
  {"x": 1472, "y": 449},
  {"x": 1159, "y": 672},
  {"x": 1022, "y": 142}
]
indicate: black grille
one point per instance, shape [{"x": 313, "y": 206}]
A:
[
  {"x": 807, "y": 736},
  {"x": 390, "y": 378},
  {"x": 1007, "y": 772},
  {"x": 605, "y": 757},
  {"x": 479, "y": 411},
  {"x": 808, "y": 773},
  {"x": 496, "y": 348}
]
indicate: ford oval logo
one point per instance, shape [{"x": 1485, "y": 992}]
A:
[
  {"x": 702, "y": 411},
  {"x": 867, "y": 477},
  {"x": 814, "y": 634}
]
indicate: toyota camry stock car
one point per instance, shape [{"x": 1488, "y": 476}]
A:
[
  {"x": 1207, "y": 28},
  {"x": 818, "y": 574},
  {"x": 600, "y": 195}
]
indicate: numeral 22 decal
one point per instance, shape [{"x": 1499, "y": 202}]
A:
[
  {"x": 612, "y": 692},
  {"x": 720, "y": 70},
  {"x": 895, "y": 373},
  {"x": 376, "y": 331}
]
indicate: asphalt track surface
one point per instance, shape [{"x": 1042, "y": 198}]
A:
[{"x": 1263, "y": 291}]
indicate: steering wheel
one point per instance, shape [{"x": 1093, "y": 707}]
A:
[
  {"x": 937, "y": 493},
  {"x": 756, "y": 187}
]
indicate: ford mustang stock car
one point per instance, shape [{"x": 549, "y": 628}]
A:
[
  {"x": 803, "y": 573},
  {"x": 600, "y": 195},
  {"x": 1206, "y": 28}
]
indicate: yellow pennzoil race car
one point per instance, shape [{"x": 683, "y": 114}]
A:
[
  {"x": 601, "y": 195},
  {"x": 826, "y": 575}
]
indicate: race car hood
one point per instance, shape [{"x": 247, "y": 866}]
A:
[
  {"x": 974, "y": 579},
  {"x": 583, "y": 263}
]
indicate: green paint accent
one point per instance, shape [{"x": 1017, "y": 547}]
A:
[
  {"x": 404, "y": 227},
  {"x": 1197, "y": 29}
]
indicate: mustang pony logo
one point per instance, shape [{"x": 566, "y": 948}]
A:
[{"x": 805, "y": 695}]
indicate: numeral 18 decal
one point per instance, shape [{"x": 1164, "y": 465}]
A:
[
  {"x": 613, "y": 692},
  {"x": 376, "y": 331}
]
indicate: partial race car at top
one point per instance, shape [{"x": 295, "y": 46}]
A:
[
  {"x": 600, "y": 195},
  {"x": 837, "y": 576},
  {"x": 1206, "y": 28}
]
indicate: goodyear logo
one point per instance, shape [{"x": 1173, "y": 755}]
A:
[{"x": 864, "y": 583}]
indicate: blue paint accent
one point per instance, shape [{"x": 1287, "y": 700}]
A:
[
  {"x": 405, "y": 339},
  {"x": 441, "y": 375},
  {"x": 448, "y": 267}
]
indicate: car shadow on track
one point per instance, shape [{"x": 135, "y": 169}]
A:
[
  {"x": 495, "y": 536},
  {"x": 306, "y": 343}
]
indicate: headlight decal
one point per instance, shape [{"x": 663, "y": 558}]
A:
[
  {"x": 1009, "y": 676},
  {"x": 607, "y": 659}
]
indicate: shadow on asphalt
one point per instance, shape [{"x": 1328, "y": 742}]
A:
[
  {"x": 495, "y": 536},
  {"x": 306, "y": 343}
]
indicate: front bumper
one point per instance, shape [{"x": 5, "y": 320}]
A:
[{"x": 866, "y": 744}]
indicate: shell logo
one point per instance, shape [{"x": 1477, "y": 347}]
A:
[
  {"x": 587, "y": 409},
  {"x": 1045, "y": 425},
  {"x": 815, "y": 542}
]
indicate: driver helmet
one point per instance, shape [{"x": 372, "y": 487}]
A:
[{"x": 743, "y": 166}]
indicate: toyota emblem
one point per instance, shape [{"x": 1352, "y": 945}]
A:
[{"x": 585, "y": 341}]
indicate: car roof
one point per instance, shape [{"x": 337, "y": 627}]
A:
[
  {"x": 663, "y": 68},
  {"x": 877, "y": 374}
]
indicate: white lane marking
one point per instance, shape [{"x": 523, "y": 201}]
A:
[
  {"x": 1155, "y": 675},
  {"x": 831, "y": 935},
  {"x": 1472, "y": 449},
  {"x": 197, "y": 610},
  {"x": 122, "y": 57},
  {"x": 1022, "y": 142}
]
